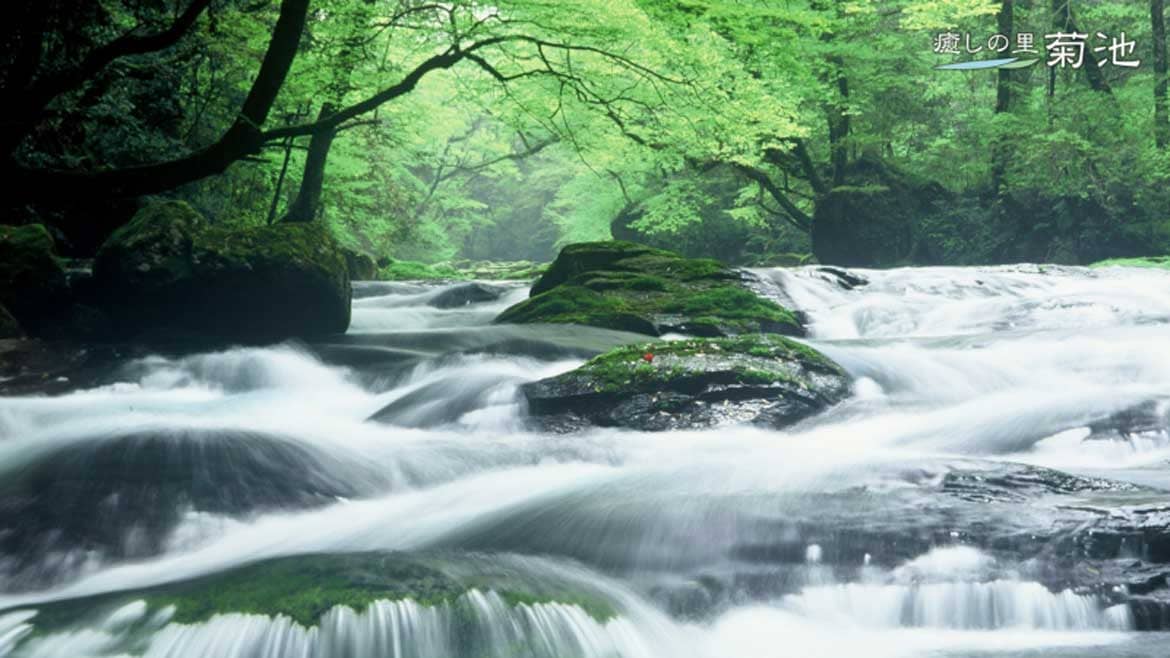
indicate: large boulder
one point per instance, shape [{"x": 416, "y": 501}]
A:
[
  {"x": 123, "y": 496},
  {"x": 764, "y": 379},
  {"x": 169, "y": 272},
  {"x": 626, "y": 286},
  {"x": 32, "y": 279}
]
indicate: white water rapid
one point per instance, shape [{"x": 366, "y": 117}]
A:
[{"x": 996, "y": 486}]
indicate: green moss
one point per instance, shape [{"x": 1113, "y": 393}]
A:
[
  {"x": 29, "y": 238},
  {"x": 730, "y": 302},
  {"x": 621, "y": 285},
  {"x": 167, "y": 266},
  {"x": 409, "y": 270},
  {"x": 174, "y": 219},
  {"x": 578, "y": 305},
  {"x": 305, "y": 587},
  {"x": 763, "y": 359},
  {"x": 624, "y": 281},
  {"x": 1158, "y": 262}
]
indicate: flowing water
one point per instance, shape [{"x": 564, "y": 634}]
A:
[{"x": 917, "y": 519}]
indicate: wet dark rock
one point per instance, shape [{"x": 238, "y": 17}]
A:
[
  {"x": 1148, "y": 417},
  {"x": 467, "y": 293},
  {"x": 168, "y": 272},
  {"x": 38, "y": 367},
  {"x": 9, "y": 327},
  {"x": 844, "y": 278},
  {"x": 766, "y": 379},
  {"x": 442, "y": 402},
  {"x": 1091, "y": 535},
  {"x": 626, "y": 286},
  {"x": 120, "y": 497}
]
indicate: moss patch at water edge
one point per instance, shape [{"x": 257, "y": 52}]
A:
[
  {"x": 1157, "y": 262},
  {"x": 409, "y": 270},
  {"x": 305, "y": 587}
]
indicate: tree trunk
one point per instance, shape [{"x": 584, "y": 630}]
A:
[
  {"x": 1003, "y": 101},
  {"x": 288, "y": 148},
  {"x": 304, "y": 208},
  {"x": 1161, "y": 80},
  {"x": 1066, "y": 21},
  {"x": 839, "y": 127},
  {"x": 243, "y": 138}
]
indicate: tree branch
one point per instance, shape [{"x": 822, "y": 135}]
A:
[
  {"x": 243, "y": 138},
  {"x": 796, "y": 216},
  {"x": 27, "y": 104}
]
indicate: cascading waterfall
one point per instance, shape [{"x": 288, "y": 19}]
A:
[
  {"x": 965, "y": 606},
  {"x": 476, "y": 624},
  {"x": 846, "y": 535}
]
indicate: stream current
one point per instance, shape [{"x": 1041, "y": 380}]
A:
[{"x": 935, "y": 513}]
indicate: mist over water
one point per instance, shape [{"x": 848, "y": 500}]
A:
[{"x": 877, "y": 529}]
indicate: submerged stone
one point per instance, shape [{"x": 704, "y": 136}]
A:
[
  {"x": 766, "y": 379},
  {"x": 626, "y": 286},
  {"x": 122, "y": 497},
  {"x": 467, "y": 293}
]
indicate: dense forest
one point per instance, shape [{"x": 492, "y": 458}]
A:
[{"x": 754, "y": 131}]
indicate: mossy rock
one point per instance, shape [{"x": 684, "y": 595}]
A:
[
  {"x": 703, "y": 382},
  {"x": 33, "y": 286},
  {"x": 500, "y": 270},
  {"x": 410, "y": 270},
  {"x": 305, "y": 587},
  {"x": 361, "y": 265},
  {"x": 169, "y": 272},
  {"x": 1156, "y": 262},
  {"x": 630, "y": 287}
]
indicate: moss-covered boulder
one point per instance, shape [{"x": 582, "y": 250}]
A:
[
  {"x": 361, "y": 265},
  {"x": 32, "y": 279},
  {"x": 306, "y": 587},
  {"x": 169, "y": 272},
  {"x": 702, "y": 382},
  {"x": 626, "y": 286}
]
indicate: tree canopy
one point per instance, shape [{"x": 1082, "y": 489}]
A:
[{"x": 486, "y": 130}]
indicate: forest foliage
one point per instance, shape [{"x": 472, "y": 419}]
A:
[{"x": 709, "y": 126}]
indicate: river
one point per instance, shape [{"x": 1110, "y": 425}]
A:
[{"x": 917, "y": 519}]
